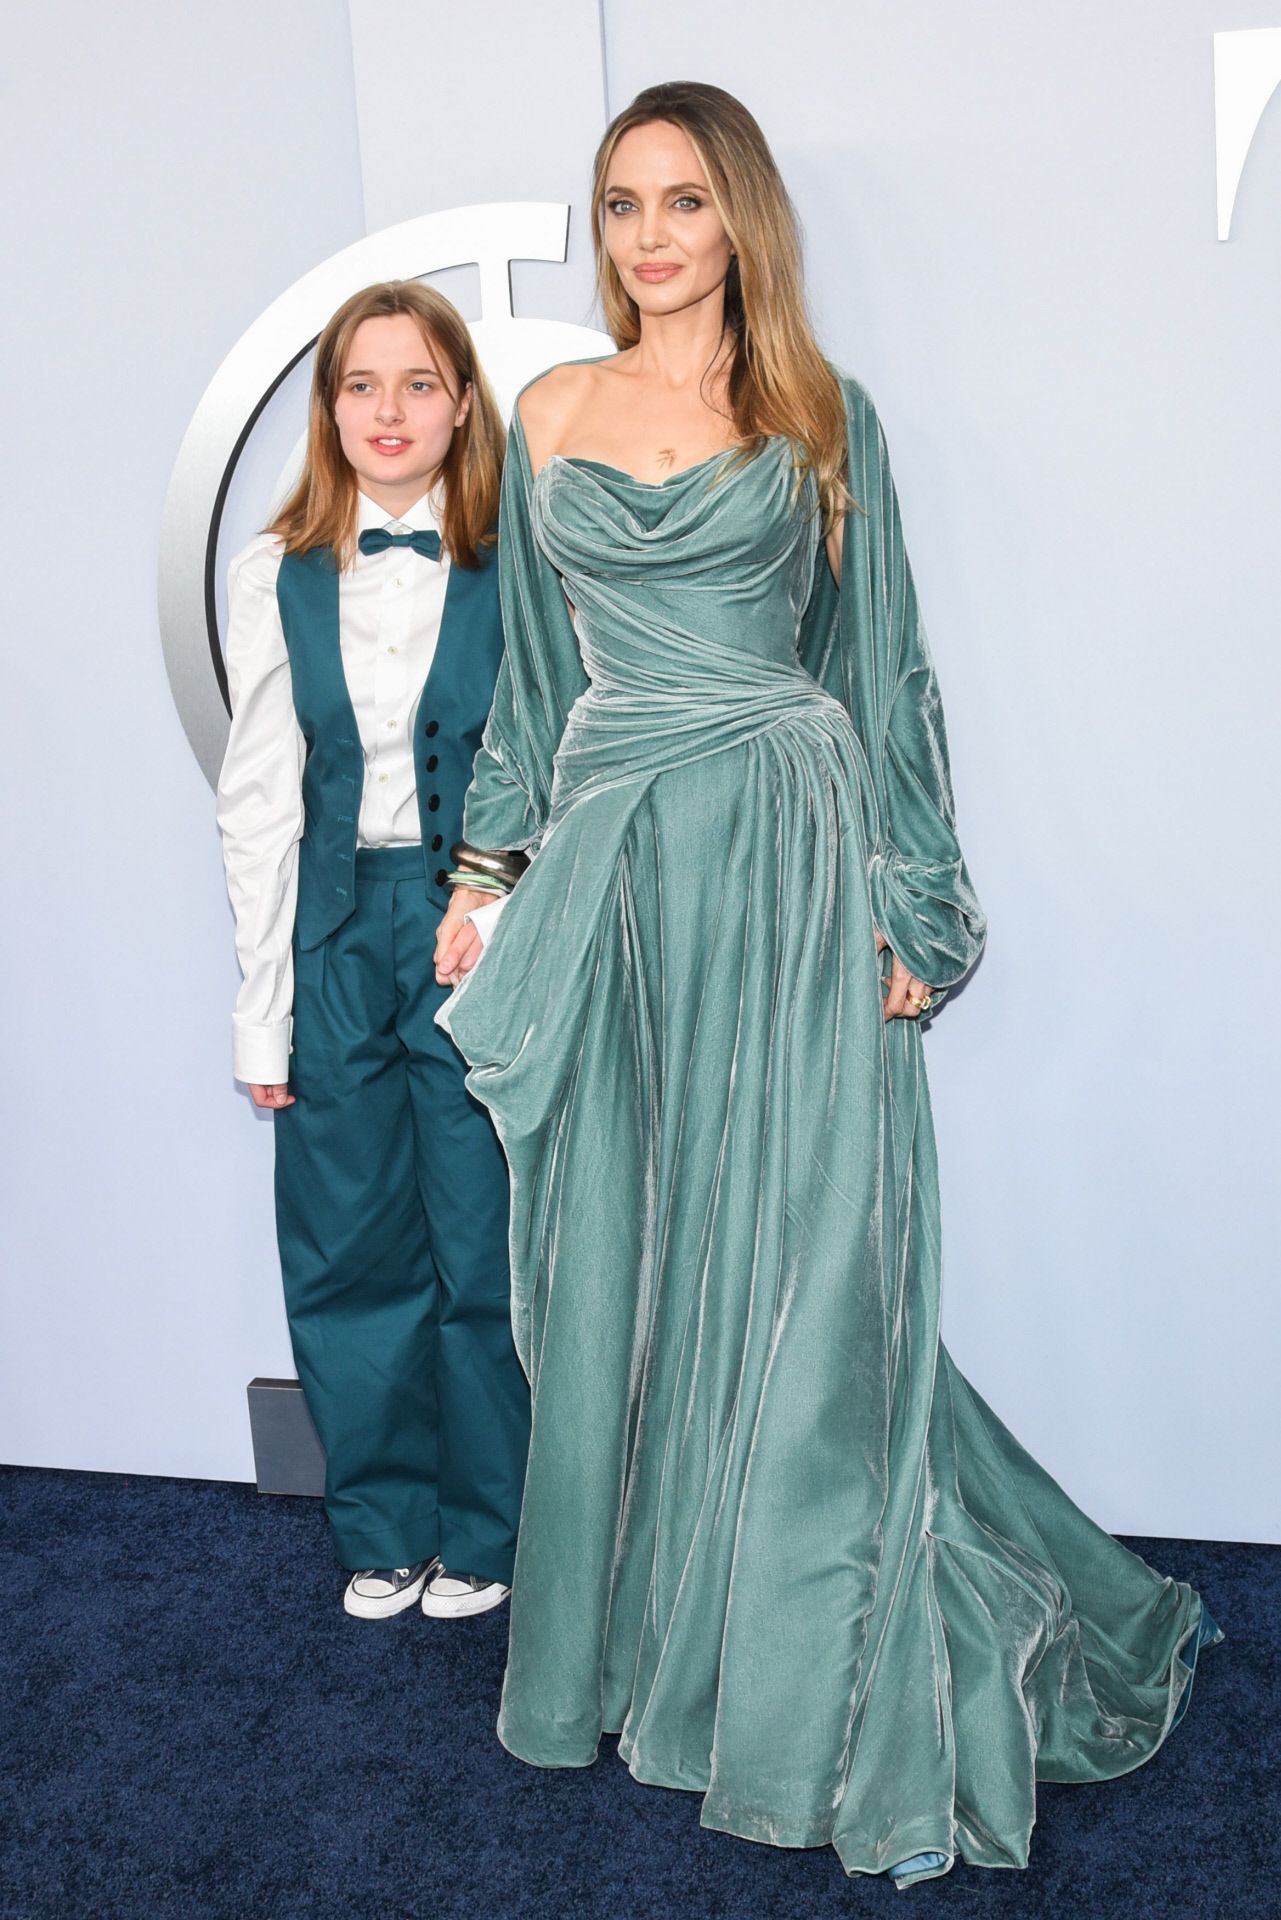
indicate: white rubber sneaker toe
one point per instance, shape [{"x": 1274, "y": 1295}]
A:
[
  {"x": 453, "y": 1596},
  {"x": 378, "y": 1593}
]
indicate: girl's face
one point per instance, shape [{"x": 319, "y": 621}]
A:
[
  {"x": 396, "y": 410},
  {"x": 662, "y": 230}
]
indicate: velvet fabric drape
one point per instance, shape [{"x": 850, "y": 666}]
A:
[{"x": 770, "y": 1535}]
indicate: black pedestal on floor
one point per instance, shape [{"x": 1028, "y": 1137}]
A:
[{"x": 288, "y": 1457}]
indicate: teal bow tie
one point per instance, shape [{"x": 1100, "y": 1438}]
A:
[{"x": 377, "y": 540}]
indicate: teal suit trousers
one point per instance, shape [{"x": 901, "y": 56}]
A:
[{"x": 392, "y": 1212}]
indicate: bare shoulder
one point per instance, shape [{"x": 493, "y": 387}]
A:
[
  {"x": 547, "y": 403},
  {"x": 551, "y": 406}
]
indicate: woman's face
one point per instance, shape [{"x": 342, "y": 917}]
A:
[
  {"x": 395, "y": 411},
  {"x": 662, "y": 230}
]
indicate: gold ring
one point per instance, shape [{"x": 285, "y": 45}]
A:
[
  {"x": 917, "y": 1003},
  {"x": 927, "y": 1003}
]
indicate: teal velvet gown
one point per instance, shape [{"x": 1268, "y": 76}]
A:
[{"x": 770, "y": 1536}]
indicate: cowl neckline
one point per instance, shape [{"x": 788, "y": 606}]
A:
[
  {"x": 581, "y": 462},
  {"x": 632, "y": 479},
  {"x": 582, "y": 507}
]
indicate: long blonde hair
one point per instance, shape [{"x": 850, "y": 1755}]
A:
[
  {"x": 321, "y": 510},
  {"x": 779, "y": 381}
]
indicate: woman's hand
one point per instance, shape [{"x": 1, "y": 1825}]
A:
[
  {"x": 906, "y": 997},
  {"x": 271, "y": 1096},
  {"x": 458, "y": 946}
]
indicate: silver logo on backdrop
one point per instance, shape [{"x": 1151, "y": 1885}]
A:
[
  {"x": 511, "y": 350},
  {"x": 1247, "y": 72}
]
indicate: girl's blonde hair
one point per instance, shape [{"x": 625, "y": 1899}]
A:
[
  {"x": 779, "y": 381},
  {"x": 321, "y": 510}
]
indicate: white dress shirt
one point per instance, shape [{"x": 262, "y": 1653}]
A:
[{"x": 389, "y": 611}]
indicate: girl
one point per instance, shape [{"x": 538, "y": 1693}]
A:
[
  {"x": 364, "y": 638},
  {"x": 805, "y": 1572}
]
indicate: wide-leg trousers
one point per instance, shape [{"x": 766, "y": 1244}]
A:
[{"x": 392, "y": 1212}]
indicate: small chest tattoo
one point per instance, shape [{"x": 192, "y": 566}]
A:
[{"x": 666, "y": 456}]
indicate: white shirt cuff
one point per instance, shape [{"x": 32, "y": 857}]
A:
[
  {"x": 260, "y": 1054},
  {"x": 485, "y": 918}
]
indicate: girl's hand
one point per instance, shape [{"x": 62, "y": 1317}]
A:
[
  {"x": 458, "y": 946},
  {"x": 271, "y": 1096},
  {"x": 905, "y": 996}
]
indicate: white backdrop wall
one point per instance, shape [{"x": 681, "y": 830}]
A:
[{"x": 1011, "y": 238}]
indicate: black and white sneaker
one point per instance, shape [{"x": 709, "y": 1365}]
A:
[
  {"x": 452, "y": 1596},
  {"x": 379, "y": 1592}
]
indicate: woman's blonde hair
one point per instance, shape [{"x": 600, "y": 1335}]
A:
[
  {"x": 779, "y": 381},
  {"x": 321, "y": 510}
]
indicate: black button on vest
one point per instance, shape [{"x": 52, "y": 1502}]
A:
[
  {"x": 432, "y": 729},
  {"x": 433, "y": 761},
  {"x": 441, "y": 876},
  {"x": 433, "y": 802},
  {"x": 436, "y": 843}
]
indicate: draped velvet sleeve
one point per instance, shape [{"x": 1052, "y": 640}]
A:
[
  {"x": 541, "y": 676},
  {"x": 867, "y": 647}
]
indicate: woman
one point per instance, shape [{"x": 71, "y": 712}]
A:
[
  {"x": 770, "y": 1535},
  {"x": 364, "y": 638}
]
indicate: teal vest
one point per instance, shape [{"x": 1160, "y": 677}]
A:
[{"x": 455, "y": 703}]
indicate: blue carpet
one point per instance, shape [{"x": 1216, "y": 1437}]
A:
[{"x": 194, "y": 1730}]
